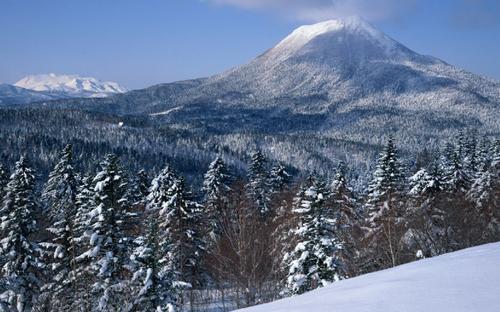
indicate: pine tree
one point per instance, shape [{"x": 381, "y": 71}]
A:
[
  {"x": 140, "y": 187},
  {"x": 459, "y": 217},
  {"x": 155, "y": 270},
  {"x": 426, "y": 214},
  {"x": 485, "y": 195},
  {"x": 347, "y": 221},
  {"x": 258, "y": 184},
  {"x": 314, "y": 262},
  {"x": 385, "y": 229},
  {"x": 470, "y": 157},
  {"x": 4, "y": 179},
  {"x": 278, "y": 179},
  {"x": 157, "y": 265},
  {"x": 179, "y": 231},
  {"x": 284, "y": 221},
  {"x": 59, "y": 196},
  {"x": 457, "y": 178},
  {"x": 216, "y": 189},
  {"x": 84, "y": 274},
  {"x": 109, "y": 245},
  {"x": 484, "y": 156},
  {"x": 19, "y": 255},
  {"x": 182, "y": 218}
]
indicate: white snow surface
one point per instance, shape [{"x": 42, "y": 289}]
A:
[
  {"x": 71, "y": 85},
  {"x": 462, "y": 281}
]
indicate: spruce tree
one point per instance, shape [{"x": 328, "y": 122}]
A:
[
  {"x": 59, "y": 196},
  {"x": 385, "y": 229},
  {"x": 426, "y": 214},
  {"x": 278, "y": 179},
  {"x": 179, "y": 231},
  {"x": 258, "y": 184},
  {"x": 347, "y": 221},
  {"x": 140, "y": 187},
  {"x": 19, "y": 254},
  {"x": 4, "y": 179},
  {"x": 216, "y": 189},
  {"x": 457, "y": 177},
  {"x": 485, "y": 195},
  {"x": 314, "y": 262},
  {"x": 109, "y": 245},
  {"x": 82, "y": 228},
  {"x": 470, "y": 157},
  {"x": 154, "y": 269},
  {"x": 182, "y": 219},
  {"x": 157, "y": 266}
]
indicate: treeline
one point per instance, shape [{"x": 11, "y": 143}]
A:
[{"x": 113, "y": 242}]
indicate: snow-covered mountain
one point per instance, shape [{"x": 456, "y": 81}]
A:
[
  {"x": 461, "y": 281},
  {"x": 341, "y": 79},
  {"x": 70, "y": 85}
]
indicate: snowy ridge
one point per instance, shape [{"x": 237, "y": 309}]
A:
[
  {"x": 461, "y": 281},
  {"x": 70, "y": 85}
]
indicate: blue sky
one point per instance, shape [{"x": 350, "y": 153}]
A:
[{"x": 139, "y": 43}]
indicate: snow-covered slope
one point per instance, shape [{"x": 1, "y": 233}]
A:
[
  {"x": 70, "y": 85},
  {"x": 463, "y": 281}
]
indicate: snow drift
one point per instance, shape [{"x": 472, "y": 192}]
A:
[{"x": 466, "y": 280}]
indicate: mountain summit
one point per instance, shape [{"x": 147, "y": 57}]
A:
[
  {"x": 70, "y": 85},
  {"x": 335, "y": 38}
]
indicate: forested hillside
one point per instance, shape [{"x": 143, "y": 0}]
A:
[{"x": 107, "y": 239}]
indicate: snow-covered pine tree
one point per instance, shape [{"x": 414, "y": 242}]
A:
[
  {"x": 216, "y": 188},
  {"x": 181, "y": 216},
  {"x": 59, "y": 196},
  {"x": 485, "y": 195},
  {"x": 457, "y": 177},
  {"x": 484, "y": 156},
  {"x": 258, "y": 184},
  {"x": 140, "y": 188},
  {"x": 459, "y": 215},
  {"x": 314, "y": 262},
  {"x": 470, "y": 157},
  {"x": 384, "y": 223},
  {"x": 82, "y": 229},
  {"x": 347, "y": 224},
  {"x": 278, "y": 179},
  {"x": 19, "y": 254},
  {"x": 284, "y": 221},
  {"x": 109, "y": 245},
  {"x": 155, "y": 269},
  {"x": 425, "y": 216},
  {"x": 179, "y": 234},
  {"x": 4, "y": 179}
]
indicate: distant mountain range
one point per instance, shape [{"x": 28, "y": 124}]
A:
[{"x": 37, "y": 88}]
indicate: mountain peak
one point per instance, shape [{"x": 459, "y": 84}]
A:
[
  {"x": 71, "y": 85},
  {"x": 350, "y": 25},
  {"x": 340, "y": 40}
]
